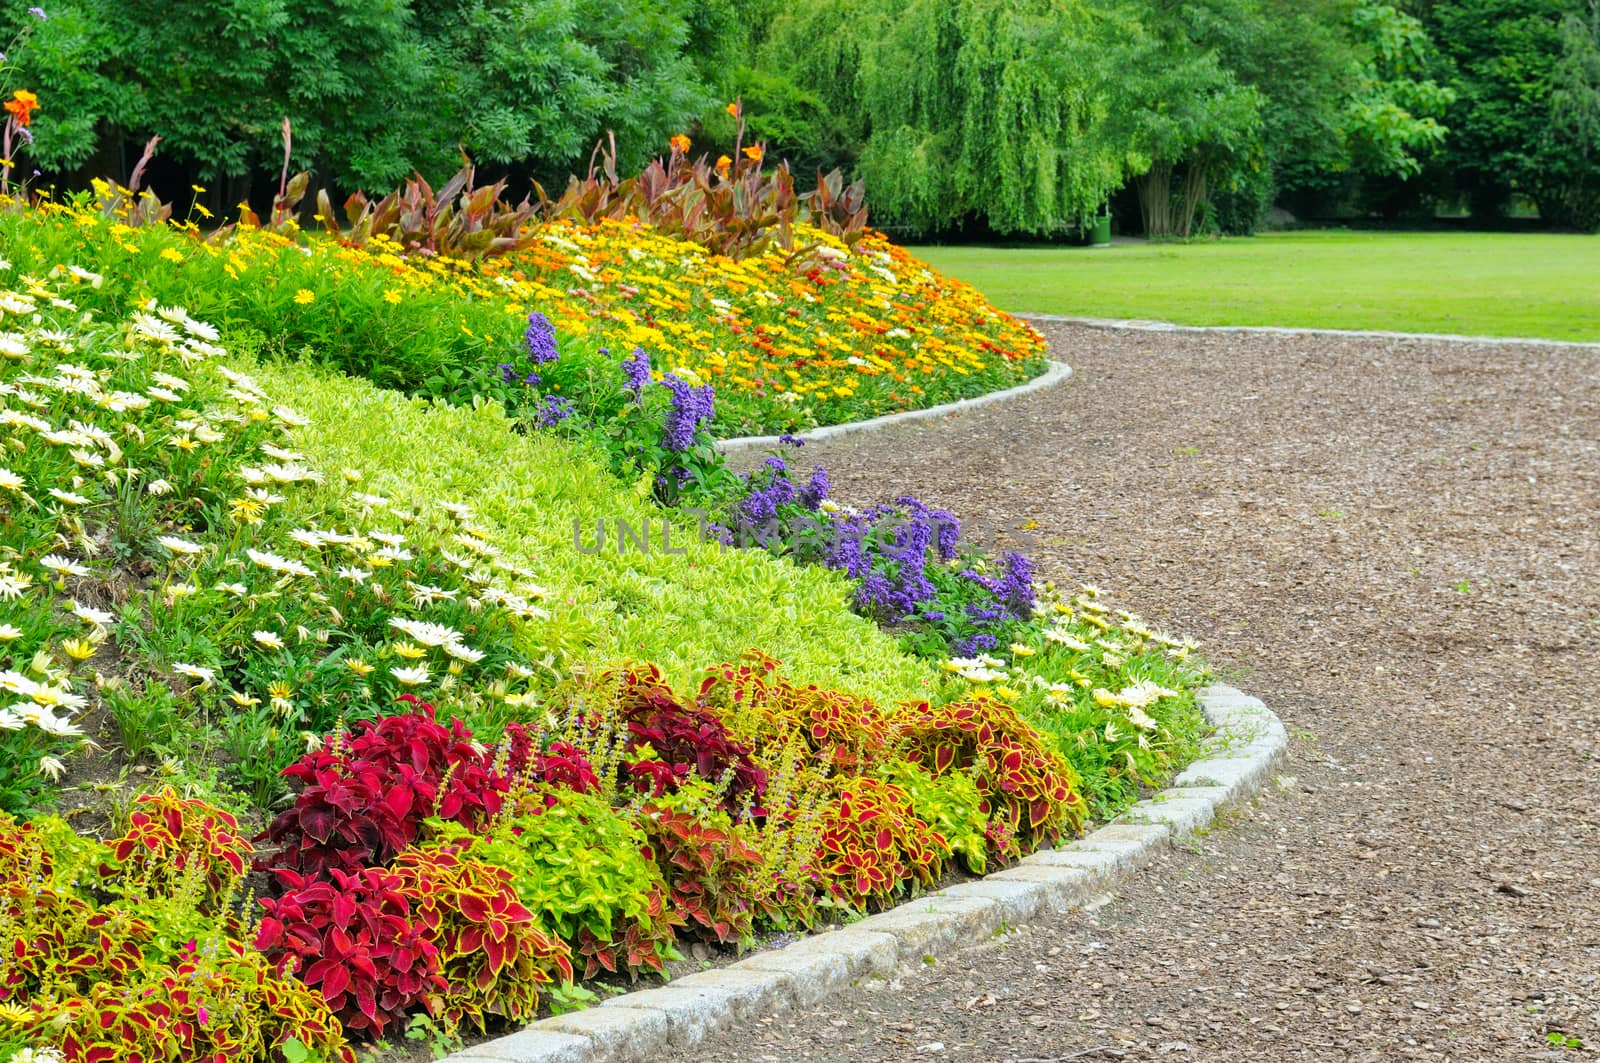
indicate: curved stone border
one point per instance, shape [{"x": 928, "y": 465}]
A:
[
  {"x": 1141, "y": 325},
  {"x": 650, "y": 1023},
  {"x": 1056, "y": 373}
]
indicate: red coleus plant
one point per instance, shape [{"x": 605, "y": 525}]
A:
[
  {"x": 352, "y": 937},
  {"x": 170, "y": 839},
  {"x": 217, "y": 1004},
  {"x": 1025, "y": 784},
  {"x": 709, "y": 868},
  {"x": 686, "y": 740},
  {"x": 493, "y": 955},
  {"x": 363, "y": 796},
  {"x": 849, "y": 729},
  {"x": 645, "y": 942},
  {"x": 872, "y": 842}
]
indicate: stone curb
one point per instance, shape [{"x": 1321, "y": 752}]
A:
[
  {"x": 1056, "y": 373},
  {"x": 1142, "y": 325},
  {"x": 1235, "y": 763}
]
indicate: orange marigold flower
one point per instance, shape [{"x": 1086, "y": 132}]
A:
[
  {"x": 21, "y": 106},
  {"x": 680, "y": 144},
  {"x": 754, "y": 152}
]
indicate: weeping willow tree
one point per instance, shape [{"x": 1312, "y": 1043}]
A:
[{"x": 966, "y": 109}]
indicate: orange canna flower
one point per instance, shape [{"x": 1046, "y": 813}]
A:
[
  {"x": 723, "y": 165},
  {"x": 733, "y": 109},
  {"x": 680, "y": 144},
  {"x": 754, "y": 152},
  {"x": 21, "y": 106}
]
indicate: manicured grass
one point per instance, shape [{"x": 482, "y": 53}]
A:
[{"x": 1493, "y": 284}]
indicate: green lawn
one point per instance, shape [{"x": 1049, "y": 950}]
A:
[{"x": 1495, "y": 284}]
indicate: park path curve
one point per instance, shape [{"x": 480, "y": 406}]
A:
[{"x": 1396, "y": 544}]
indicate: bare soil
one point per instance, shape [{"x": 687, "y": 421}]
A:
[{"x": 1396, "y": 544}]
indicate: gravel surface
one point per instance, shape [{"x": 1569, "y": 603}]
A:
[{"x": 1396, "y": 544}]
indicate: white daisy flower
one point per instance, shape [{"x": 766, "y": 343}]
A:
[
  {"x": 425, "y": 594},
  {"x": 463, "y": 652},
  {"x": 269, "y": 639},
  {"x": 411, "y": 677},
  {"x": 180, "y": 546},
  {"x": 424, "y": 632},
  {"x": 63, "y": 565},
  {"x": 194, "y": 671}
]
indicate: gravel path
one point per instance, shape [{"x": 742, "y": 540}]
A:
[{"x": 1397, "y": 545}]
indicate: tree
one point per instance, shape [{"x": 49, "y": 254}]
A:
[
  {"x": 1184, "y": 114},
  {"x": 1567, "y": 185},
  {"x": 992, "y": 110},
  {"x": 374, "y": 88},
  {"x": 1501, "y": 56}
]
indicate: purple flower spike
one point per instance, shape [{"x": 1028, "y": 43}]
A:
[
  {"x": 636, "y": 367},
  {"x": 541, "y": 337},
  {"x": 556, "y": 409},
  {"x": 691, "y": 407}
]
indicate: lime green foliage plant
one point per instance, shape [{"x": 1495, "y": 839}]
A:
[
  {"x": 951, "y": 805},
  {"x": 589, "y": 875}
]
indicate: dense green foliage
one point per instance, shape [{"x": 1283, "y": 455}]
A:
[
  {"x": 976, "y": 116},
  {"x": 1027, "y": 118},
  {"x": 532, "y": 82}
]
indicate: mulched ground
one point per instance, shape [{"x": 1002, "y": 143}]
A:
[{"x": 1397, "y": 545}]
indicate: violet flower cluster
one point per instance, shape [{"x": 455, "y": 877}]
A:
[
  {"x": 542, "y": 349},
  {"x": 541, "y": 338},
  {"x": 636, "y": 367},
  {"x": 555, "y": 410},
  {"x": 691, "y": 408}
]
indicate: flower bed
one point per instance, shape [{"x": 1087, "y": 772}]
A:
[
  {"x": 841, "y": 336},
  {"x": 266, "y": 600}
]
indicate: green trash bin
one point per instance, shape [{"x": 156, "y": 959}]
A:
[{"x": 1100, "y": 234}]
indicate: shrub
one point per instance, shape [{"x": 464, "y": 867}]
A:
[
  {"x": 684, "y": 741},
  {"x": 171, "y": 841},
  {"x": 352, "y": 937},
  {"x": 709, "y": 866},
  {"x": 221, "y": 1002},
  {"x": 872, "y": 843},
  {"x": 364, "y": 796},
  {"x": 951, "y": 806},
  {"x": 492, "y": 954},
  {"x": 848, "y": 730},
  {"x": 1026, "y": 786},
  {"x": 587, "y": 874}
]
